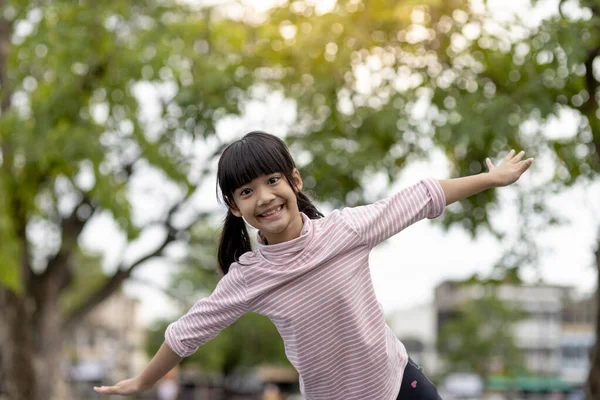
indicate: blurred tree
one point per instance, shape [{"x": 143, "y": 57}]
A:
[
  {"x": 251, "y": 340},
  {"x": 72, "y": 139},
  {"x": 480, "y": 340}
]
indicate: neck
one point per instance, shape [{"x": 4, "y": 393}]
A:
[{"x": 291, "y": 232}]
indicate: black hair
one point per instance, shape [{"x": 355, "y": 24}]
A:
[{"x": 255, "y": 154}]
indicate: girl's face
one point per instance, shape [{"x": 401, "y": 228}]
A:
[{"x": 269, "y": 204}]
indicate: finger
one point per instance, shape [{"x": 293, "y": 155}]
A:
[
  {"x": 525, "y": 164},
  {"x": 105, "y": 389},
  {"x": 489, "y": 164},
  {"x": 509, "y": 155},
  {"x": 518, "y": 157}
]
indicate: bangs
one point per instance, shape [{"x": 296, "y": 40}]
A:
[{"x": 255, "y": 155}]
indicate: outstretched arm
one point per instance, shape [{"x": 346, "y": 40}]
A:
[
  {"x": 201, "y": 323},
  {"x": 163, "y": 361},
  {"x": 509, "y": 171}
]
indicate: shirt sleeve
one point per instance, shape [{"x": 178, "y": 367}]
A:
[
  {"x": 378, "y": 221},
  {"x": 209, "y": 315}
]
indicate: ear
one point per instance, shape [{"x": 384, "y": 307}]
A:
[
  {"x": 297, "y": 179},
  {"x": 233, "y": 208}
]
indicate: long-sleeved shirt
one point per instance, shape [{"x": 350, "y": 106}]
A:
[{"x": 317, "y": 290}]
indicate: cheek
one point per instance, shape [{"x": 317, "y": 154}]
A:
[
  {"x": 247, "y": 208},
  {"x": 293, "y": 202}
]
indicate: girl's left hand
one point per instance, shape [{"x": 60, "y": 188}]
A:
[
  {"x": 510, "y": 169},
  {"x": 124, "y": 388}
]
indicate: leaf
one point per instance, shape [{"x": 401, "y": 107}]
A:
[
  {"x": 9, "y": 271},
  {"x": 10, "y": 267}
]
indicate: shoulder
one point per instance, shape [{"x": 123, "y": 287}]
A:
[
  {"x": 248, "y": 258},
  {"x": 235, "y": 279},
  {"x": 336, "y": 220}
]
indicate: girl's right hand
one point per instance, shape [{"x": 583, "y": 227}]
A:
[
  {"x": 123, "y": 388},
  {"x": 509, "y": 170}
]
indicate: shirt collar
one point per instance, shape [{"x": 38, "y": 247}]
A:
[{"x": 286, "y": 252}]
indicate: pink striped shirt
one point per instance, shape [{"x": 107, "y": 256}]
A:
[{"x": 317, "y": 290}]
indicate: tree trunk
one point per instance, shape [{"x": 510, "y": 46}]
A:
[
  {"x": 47, "y": 325},
  {"x": 593, "y": 382},
  {"x": 29, "y": 372},
  {"x": 17, "y": 347},
  {"x": 31, "y": 348},
  {"x": 49, "y": 356}
]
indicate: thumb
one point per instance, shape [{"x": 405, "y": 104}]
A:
[{"x": 489, "y": 164}]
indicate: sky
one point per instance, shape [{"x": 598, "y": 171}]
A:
[{"x": 406, "y": 268}]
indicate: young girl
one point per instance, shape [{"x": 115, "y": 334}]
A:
[{"x": 310, "y": 275}]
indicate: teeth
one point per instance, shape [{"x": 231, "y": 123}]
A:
[{"x": 271, "y": 212}]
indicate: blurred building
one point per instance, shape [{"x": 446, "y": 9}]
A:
[
  {"x": 539, "y": 335},
  {"x": 578, "y": 337},
  {"x": 109, "y": 343},
  {"x": 415, "y": 327}
]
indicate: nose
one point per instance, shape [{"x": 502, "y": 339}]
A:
[{"x": 265, "y": 196}]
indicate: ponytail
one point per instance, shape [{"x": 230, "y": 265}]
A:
[
  {"x": 234, "y": 241},
  {"x": 307, "y": 207}
]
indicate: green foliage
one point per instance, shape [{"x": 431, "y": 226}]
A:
[
  {"x": 358, "y": 75},
  {"x": 480, "y": 339},
  {"x": 9, "y": 246},
  {"x": 69, "y": 108},
  {"x": 347, "y": 133},
  {"x": 379, "y": 85}
]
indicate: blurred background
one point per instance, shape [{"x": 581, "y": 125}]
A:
[{"x": 112, "y": 117}]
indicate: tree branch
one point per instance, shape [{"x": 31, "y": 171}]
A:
[
  {"x": 71, "y": 228},
  {"x": 27, "y": 273},
  {"x": 112, "y": 285},
  {"x": 46, "y": 287},
  {"x": 560, "y": 11},
  {"x": 152, "y": 285},
  {"x": 591, "y": 83},
  {"x": 124, "y": 272}
]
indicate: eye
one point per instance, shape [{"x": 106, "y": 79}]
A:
[
  {"x": 273, "y": 180},
  {"x": 245, "y": 192}
]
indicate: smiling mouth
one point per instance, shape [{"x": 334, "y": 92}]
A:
[{"x": 267, "y": 214}]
